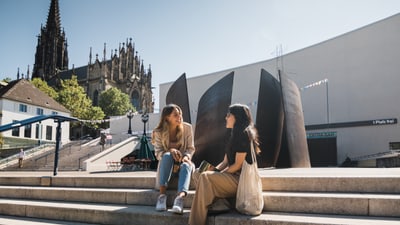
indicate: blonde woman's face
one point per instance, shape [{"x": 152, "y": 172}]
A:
[{"x": 175, "y": 118}]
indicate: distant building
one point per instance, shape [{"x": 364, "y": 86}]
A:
[
  {"x": 21, "y": 100},
  {"x": 124, "y": 70}
]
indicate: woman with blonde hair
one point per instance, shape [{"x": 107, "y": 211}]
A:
[{"x": 174, "y": 148}]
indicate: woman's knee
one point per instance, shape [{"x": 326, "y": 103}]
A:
[
  {"x": 187, "y": 166},
  {"x": 167, "y": 156}
]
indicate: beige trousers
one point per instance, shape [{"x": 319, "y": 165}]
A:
[{"x": 210, "y": 185}]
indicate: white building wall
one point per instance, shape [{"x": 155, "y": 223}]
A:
[
  {"x": 10, "y": 111},
  {"x": 120, "y": 124},
  {"x": 362, "y": 68}
]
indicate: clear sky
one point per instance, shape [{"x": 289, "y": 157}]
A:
[{"x": 182, "y": 36}]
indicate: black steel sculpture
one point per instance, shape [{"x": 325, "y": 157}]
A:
[
  {"x": 210, "y": 125},
  {"x": 178, "y": 94},
  {"x": 279, "y": 121},
  {"x": 295, "y": 132},
  {"x": 269, "y": 120}
]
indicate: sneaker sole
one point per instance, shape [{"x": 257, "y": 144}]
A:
[{"x": 177, "y": 210}]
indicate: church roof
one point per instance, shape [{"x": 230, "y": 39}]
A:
[{"x": 23, "y": 91}]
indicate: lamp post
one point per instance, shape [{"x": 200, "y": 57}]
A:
[
  {"x": 129, "y": 114},
  {"x": 145, "y": 118}
]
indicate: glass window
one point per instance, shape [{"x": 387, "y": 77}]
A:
[
  {"x": 15, "y": 131},
  {"x": 28, "y": 131},
  {"x": 49, "y": 131},
  {"x": 23, "y": 108},
  {"x": 394, "y": 145},
  {"x": 39, "y": 111}
]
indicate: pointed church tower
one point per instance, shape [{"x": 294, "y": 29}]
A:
[{"x": 51, "y": 50}]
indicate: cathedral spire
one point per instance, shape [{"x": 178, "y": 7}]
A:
[
  {"x": 51, "y": 51},
  {"x": 53, "y": 19}
]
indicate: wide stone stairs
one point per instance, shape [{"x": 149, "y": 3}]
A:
[{"x": 292, "y": 196}]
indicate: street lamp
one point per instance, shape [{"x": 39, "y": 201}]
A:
[
  {"x": 145, "y": 118},
  {"x": 129, "y": 114}
]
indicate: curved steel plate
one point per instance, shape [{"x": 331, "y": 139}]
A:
[
  {"x": 178, "y": 94},
  {"x": 269, "y": 120},
  {"x": 294, "y": 123},
  {"x": 210, "y": 130}
]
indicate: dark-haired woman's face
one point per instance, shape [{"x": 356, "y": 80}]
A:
[{"x": 230, "y": 120}]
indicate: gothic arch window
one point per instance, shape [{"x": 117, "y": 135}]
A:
[
  {"x": 135, "y": 100},
  {"x": 96, "y": 98}
]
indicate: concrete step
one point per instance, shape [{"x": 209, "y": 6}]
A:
[
  {"x": 18, "y": 220},
  {"x": 137, "y": 214},
  {"x": 292, "y": 196},
  {"x": 299, "y": 202},
  {"x": 294, "y": 180},
  {"x": 358, "y": 204}
]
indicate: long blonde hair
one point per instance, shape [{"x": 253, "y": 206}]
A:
[{"x": 163, "y": 126}]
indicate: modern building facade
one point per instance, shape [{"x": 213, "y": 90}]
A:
[{"x": 349, "y": 90}]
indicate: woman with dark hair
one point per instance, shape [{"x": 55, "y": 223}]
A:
[
  {"x": 174, "y": 148},
  {"x": 222, "y": 181}
]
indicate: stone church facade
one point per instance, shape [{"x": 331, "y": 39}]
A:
[{"x": 124, "y": 70}]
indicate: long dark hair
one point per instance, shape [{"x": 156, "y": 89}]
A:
[{"x": 244, "y": 123}]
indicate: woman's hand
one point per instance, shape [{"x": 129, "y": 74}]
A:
[
  {"x": 176, "y": 154},
  {"x": 186, "y": 159}
]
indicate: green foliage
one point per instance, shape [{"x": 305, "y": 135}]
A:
[
  {"x": 44, "y": 87},
  {"x": 73, "y": 97},
  {"x": 7, "y": 80},
  {"x": 114, "y": 102},
  {"x": 1, "y": 140}
]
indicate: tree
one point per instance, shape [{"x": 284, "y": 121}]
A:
[
  {"x": 114, "y": 102},
  {"x": 7, "y": 80},
  {"x": 44, "y": 87},
  {"x": 73, "y": 97}
]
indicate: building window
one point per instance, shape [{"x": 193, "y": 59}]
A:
[
  {"x": 23, "y": 108},
  {"x": 39, "y": 111},
  {"x": 28, "y": 131},
  {"x": 394, "y": 146},
  {"x": 49, "y": 131},
  {"x": 15, "y": 131}
]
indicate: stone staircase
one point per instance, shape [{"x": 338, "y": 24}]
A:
[{"x": 292, "y": 196}]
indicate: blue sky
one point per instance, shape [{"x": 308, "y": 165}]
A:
[{"x": 177, "y": 36}]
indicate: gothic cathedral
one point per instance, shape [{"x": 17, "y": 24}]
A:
[{"x": 124, "y": 70}]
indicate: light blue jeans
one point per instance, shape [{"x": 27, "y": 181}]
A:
[{"x": 166, "y": 167}]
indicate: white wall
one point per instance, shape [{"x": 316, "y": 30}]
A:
[{"x": 120, "y": 124}]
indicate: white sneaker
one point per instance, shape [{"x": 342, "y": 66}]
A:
[
  {"x": 161, "y": 203},
  {"x": 178, "y": 205}
]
